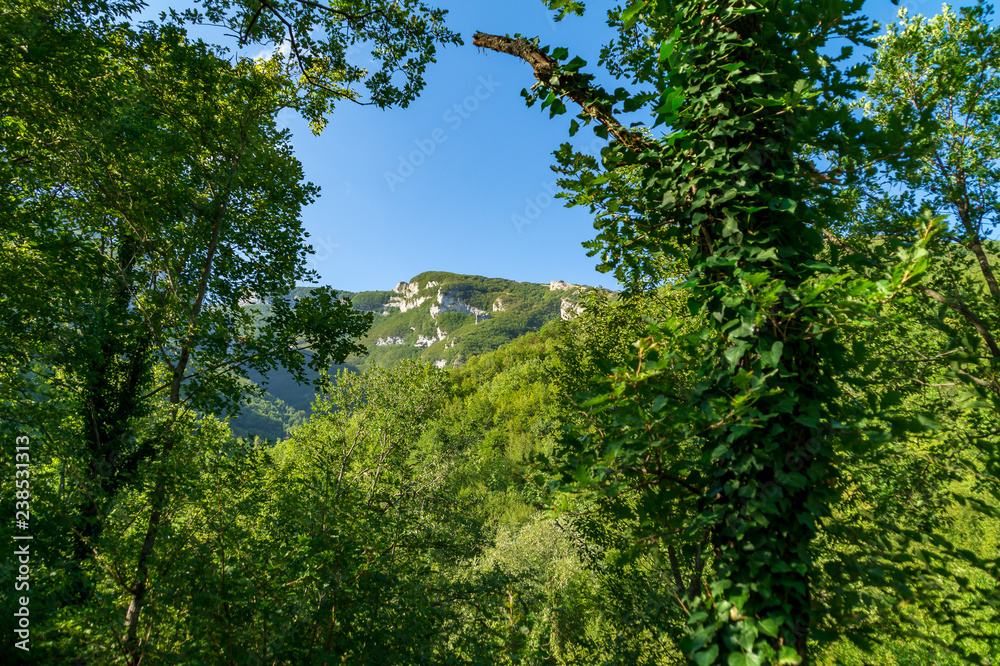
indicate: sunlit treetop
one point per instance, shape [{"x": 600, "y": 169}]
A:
[{"x": 320, "y": 44}]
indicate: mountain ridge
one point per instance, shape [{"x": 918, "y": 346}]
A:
[{"x": 437, "y": 317}]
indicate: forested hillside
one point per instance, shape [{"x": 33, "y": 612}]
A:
[
  {"x": 438, "y": 317},
  {"x": 777, "y": 443}
]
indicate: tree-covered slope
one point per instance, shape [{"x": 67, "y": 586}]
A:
[
  {"x": 437, "y": 317},
  {"x": 445, "y": 318}
]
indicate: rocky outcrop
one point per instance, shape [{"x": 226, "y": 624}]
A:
[
  {"x": 448, "y": 302},
  {"x": 498, "y": 306},
  {"x": 407, "y": 298},
  {"x": 407, "y": 290},
  {"x": 391, "y": 340},
  {"x": 568, "y": 309},
  {"x": 424, "y": 342},
  {"x": 404, "y": 304}
]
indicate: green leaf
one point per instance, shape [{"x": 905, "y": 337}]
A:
[
  {"x": 788, "y": 655},
  {"x": 707, "y": 656},
  {"x": 631, "y": 13},
  {"x": 735, "y": 353},
  {"x": 768, "y": 626},
  {"x": 772, "y": 356},
  {"x": 666, "y": 49},
  {"x": 787, "y": 205},
  {"x": 719, "y": 451}
]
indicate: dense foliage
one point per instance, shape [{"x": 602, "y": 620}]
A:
[
  {"x": 779, "y": 444},
  {"x": 726, "y": 435}
]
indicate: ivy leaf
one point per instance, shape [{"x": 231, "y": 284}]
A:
[
  {"x": 787, "y": 205},
  {"x": 788, "y": 655},
  {"x": 769, "y": 627},
  {"x": 771, "y": 357},
  {"x": 706, "y": 657},
  {"x": 735, "y": 353}
]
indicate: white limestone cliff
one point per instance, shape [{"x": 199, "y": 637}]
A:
[
  {"x": 448, "y": 302},
  {"x": 568, "y": 309},
  {"x": 424, "y": 342},
  {"x": 407, "y": 290}
]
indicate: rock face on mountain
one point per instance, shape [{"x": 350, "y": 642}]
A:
[
  {"x": 445, "y": 317},
  {"x": 423, "y": 342},
  {"x": 449, "y": 302},
  {"x": 448, "y": 317},
  {"x": 568, "y": 309},
  {"x": 407, "y": 299},
  {"x": 570, "y": 306}
]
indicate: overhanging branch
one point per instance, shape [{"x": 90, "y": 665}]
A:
[{"x": 591, "y": 99}]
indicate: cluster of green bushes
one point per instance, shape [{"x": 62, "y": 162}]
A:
[{"x": 266, "y": 417}]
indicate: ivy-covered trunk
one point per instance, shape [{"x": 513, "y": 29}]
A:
[
  {"x": 743, "y": 91},
  {"x": 733, "y": 179}
]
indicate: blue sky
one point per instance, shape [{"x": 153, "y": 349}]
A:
[
  {"x": 447, "y": 183},
  {"x": 460, "y": 180}
]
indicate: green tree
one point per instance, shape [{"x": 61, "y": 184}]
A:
[
  {"x": 400, "y": 36},
  {"x": 930, "y": 374},
  {"x": 144, "y": 213},
  {"x": 351, "y": 571},
  {"x": 939, "y": 79},
  {"x": 738, "y": 417}
]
